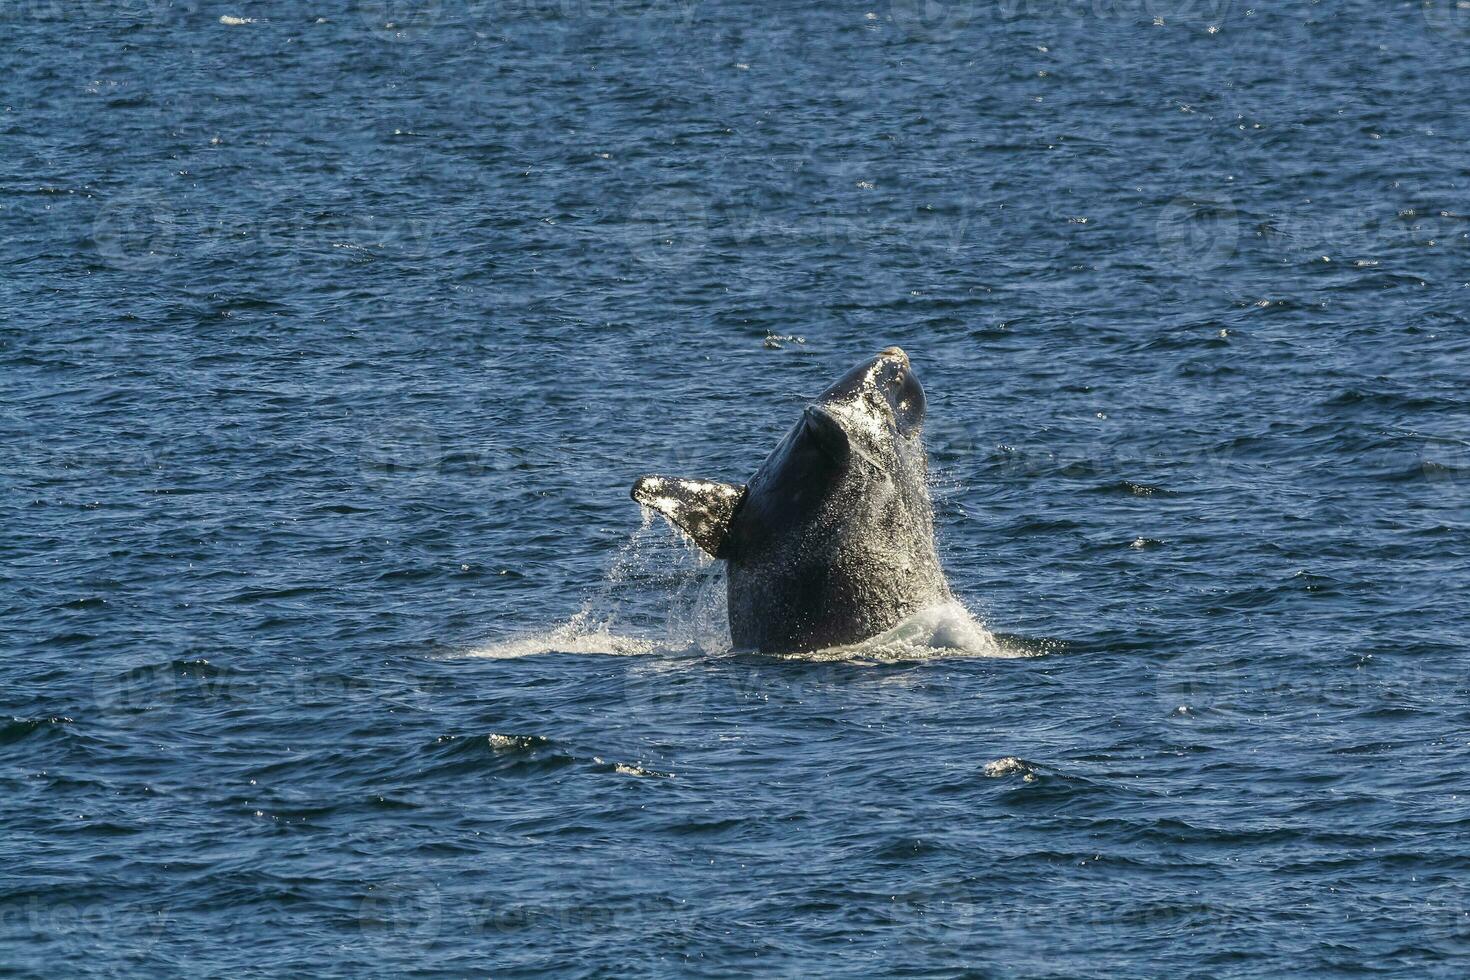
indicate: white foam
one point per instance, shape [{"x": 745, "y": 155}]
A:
[
  {"x": 693, "y": 611},
  {"x": 624, "y": 769},
  {"x": 570, "y": 637},
  {"x": 1006, "y": 766},
  {"x": 693, "y": 616},
  {"x": 943, "y": 630}
]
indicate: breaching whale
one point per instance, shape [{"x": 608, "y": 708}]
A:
[{"x": 832, "y": 540}]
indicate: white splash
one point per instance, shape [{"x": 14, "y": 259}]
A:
[
  {"x": 692, "y": 620},
  {"x": 570, "y": 637},
  {"x": 944, "y": 630},
  {"x": 1009, "y": 766},
  {"x": 626, "y": 769}
]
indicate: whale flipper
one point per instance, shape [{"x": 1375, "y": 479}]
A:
[{"x": 702, "y": 509}]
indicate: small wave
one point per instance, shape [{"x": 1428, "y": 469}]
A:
[
  {"x": 513, "y": 743},
  {"x": 15, "y": 729},
  {"x": 1008, "y": 766},
  {"x": 1131, "y": 488},
  {"x": 528, "y": 755},
  {"x": 627, "y": 769},
  {"x": 497, "y": 753}
]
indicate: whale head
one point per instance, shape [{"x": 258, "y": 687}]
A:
[
  {"x": 858, "y": 446},
  {"x": 855, "y": 456},
  {"x": 873, "y": 414}
]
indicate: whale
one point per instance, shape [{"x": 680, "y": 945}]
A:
[{"x": 831, "y": 541}]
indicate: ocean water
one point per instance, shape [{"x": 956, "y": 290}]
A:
[{"x": 335, "y": 335}]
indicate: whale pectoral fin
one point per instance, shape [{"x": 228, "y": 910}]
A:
[{"x": 702, "y": 509}]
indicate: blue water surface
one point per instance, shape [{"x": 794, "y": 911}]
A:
[{"x": 335, "y": 333}]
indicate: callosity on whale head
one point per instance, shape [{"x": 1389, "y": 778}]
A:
[{"x": 832, "y": 540}]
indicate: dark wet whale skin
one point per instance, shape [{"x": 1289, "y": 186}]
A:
[{"x": 834, "y": 541}]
